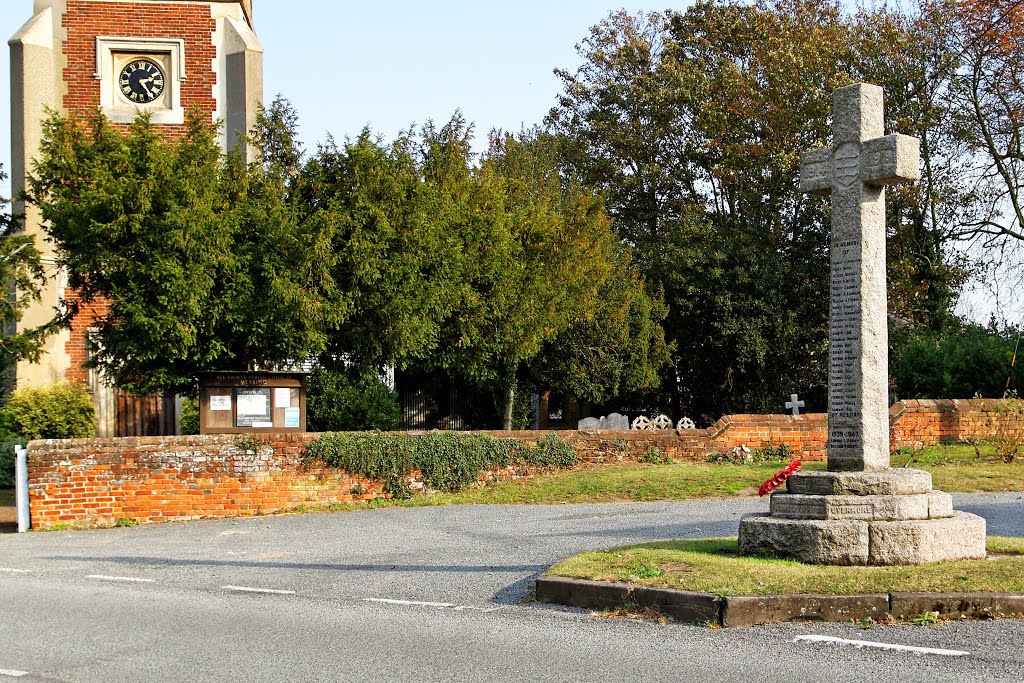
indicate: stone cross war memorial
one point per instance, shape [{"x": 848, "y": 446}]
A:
[{"x": 861, "y": 511}]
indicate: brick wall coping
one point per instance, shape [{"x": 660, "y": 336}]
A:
[{"x": 943, "y": 405}]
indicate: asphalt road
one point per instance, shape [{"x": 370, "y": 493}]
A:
[{"x": 429, "y": 594}]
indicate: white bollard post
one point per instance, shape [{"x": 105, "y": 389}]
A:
[{"x": 21, "y": 488}]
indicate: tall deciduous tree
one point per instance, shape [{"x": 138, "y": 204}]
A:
[
  {"x": 986, "y": 94},
  {"x": 694, "y": 122}
]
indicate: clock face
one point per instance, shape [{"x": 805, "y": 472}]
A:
[{"x": 141, "y": 81}]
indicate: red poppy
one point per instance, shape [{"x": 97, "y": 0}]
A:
[{"x": 779, "y": 478}]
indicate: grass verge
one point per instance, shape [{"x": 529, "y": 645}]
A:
[
  {"x": 956, "y": 469},
  {"x": 964, "y": 468},
  {"x": 712, "y": 566},
  {"x": 615, "y": 483}
]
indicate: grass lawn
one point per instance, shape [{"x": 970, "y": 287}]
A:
[
  {"x": 680, "y": 481},
  {"x": 712, "y": 566},
  {"x": 6, "y": 497},
  {"x": 958, "y": 469}
]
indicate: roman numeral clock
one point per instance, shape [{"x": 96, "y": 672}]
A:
[
  {"x": 142, "y": 81},
  {"x": 142, "y": 74}
]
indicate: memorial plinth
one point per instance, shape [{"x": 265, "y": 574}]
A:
[{"x": 861, "y": 511}]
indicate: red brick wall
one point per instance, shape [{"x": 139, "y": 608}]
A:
[
  {"x": 191, "y": 22},
  {"x": 805, "y": 436},
  {"x": 95, "y": 482},
  {"x": 85, "y": 20},
  {"x": 925, "y": 422}
]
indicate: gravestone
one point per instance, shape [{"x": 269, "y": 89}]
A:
[
  {"x": 617, "y": 422},
  {"x": 611, "y": 422},
  {"x": 641, "y": 423},
  {"x": 661, "y": 422},
  {"x": 860, "y": 511}
]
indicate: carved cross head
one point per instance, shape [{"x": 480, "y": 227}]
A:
[{"x": 860, "y": 153}]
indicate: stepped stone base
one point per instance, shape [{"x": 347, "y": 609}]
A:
[
  {"x": 960, "y": 536},
  {"x": 895, "y": 482},
  {"x": 871, "y": 508}
]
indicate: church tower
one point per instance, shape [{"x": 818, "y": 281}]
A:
[{"x": 161, "y": 56}]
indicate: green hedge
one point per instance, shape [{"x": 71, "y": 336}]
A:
[
  {"x": 336, "y": 402},
  {"x": 961, "y": 363},
  {"x": 448, "y": 461}
]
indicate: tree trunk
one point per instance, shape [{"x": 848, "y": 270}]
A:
[
  {"x": 570, "y": 411},
  {"x": 509, "y": 403},
  {"x": 508, "y": 390},
  {"x": 544, "y": 413}
]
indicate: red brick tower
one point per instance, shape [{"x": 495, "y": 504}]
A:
[{"x": 161, "y": 56}]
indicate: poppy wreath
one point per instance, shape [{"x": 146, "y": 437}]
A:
[{"x": 779, "y": 478}]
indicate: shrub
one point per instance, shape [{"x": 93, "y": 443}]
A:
[
  {"x": 553, "y": 451},
  {"x": 189, "y": 415},
  {"x": 336, "y": 402},
  {"x": 962, "y": 363},
  {"x": 448, "y": 461},
  {"x": 773, "y": 453},
  {"x": 7, "y": 445},
  {"x": 60, "y": 411},
  {"x": 654, "y": 457},
  {"x": 1008, "y": 423}
]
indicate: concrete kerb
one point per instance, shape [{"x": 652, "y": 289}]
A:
[{"x": 733, "y": 611}]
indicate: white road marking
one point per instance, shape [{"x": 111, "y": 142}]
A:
[
  {"x": 14, "y": 571},
  {"x": 12, "y": 673},
  {"x": 438, "y": 605},
  {"x": 881, "y": 646},
  {"x": 120, "y": 579},
  {"x": 411, "y": 603},
  {"x": 246, "y": 589}
]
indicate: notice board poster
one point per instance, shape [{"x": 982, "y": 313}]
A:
[
  {"x": 253, "y": 408},
  {"x": 220, "y": 404}
]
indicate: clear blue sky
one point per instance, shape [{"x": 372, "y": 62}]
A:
[{"x": 391, "y": 63}]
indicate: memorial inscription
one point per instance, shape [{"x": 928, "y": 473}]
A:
[{"x": 855, "y": 171}]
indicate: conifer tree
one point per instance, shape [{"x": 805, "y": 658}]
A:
[{"x": 21, "y": 269}]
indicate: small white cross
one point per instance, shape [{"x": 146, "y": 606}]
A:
[{"x": 795, "y": 404}]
